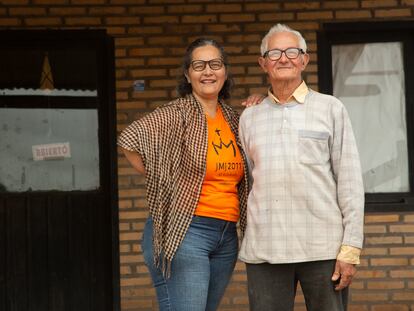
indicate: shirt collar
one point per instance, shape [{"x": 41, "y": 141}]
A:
[{"x": 299, "y": 94}]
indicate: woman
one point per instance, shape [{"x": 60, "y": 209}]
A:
[{"x": 196, "y": 177}]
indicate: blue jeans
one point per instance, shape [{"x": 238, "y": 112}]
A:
[{"x": 200, "y": 269}]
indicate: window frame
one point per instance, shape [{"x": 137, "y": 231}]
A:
[
  {"x": 95, "y": 40},
  {"x": 370, "y": 32}
]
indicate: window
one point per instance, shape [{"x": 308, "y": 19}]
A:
[
  {"x": 49, "y": 113},
  {"x": 368, "y": 67}
]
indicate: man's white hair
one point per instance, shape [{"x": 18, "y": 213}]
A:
[{"x": 281, "y": 28}]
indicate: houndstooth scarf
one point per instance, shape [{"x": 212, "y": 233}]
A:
[{"x": 172, "y": 141}]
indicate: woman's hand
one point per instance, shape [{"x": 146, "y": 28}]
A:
[{"x": 253, "y": 100}]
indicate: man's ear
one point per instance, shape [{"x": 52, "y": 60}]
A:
[
  {"x": 305, "y": 60},
  {"x": 262, "y": 63}
]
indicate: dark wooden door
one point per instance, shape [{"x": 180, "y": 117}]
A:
[{"x": 58, "y": 208}]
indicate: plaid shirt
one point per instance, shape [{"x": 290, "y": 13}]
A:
[
  {"x": 172, "y": 141},
  {"x": 307, "y": 196}
]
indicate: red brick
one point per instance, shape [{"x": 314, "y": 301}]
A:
[
  {"x": 67, "y": 11},
  {"x": 409, "y": 218},
  {"x": 185, "y": 29},
  {"x": 389, "y": 261},
  {"x": 14, "y": 2},
  {"x": 83, "y": 21},
  {"x": 161, "y": 61},
  {"x": 132, "y": 215},
  {"x": 263, "y": 7},
  {"x": 195, "y": 19},
  {"x": 393, "y": 13},
  {"x": 115, "y": 30},
  {"x": 402, "y": 273},
  {"x": 308, "y": 5},
  {"x": 183, "y": 9},
  {"x": 146, "y": 52},
  {"x": 382, "y": 218},
  {"x": 165, "y": 40},
  {"x": 135, "y": 2},
  {"x": 166, "y": 1},
  {"x": 124, "y": 203},
  {"x": 87, "y": 1},
  {"x": 127, "y": 193},
  {"x": 315, "y": 15},
  {"x": 354, "y": 307},
  {"x": 374, "y": 251},
  {"x": 390, "y": 307},
  {"x": 402, "y": 228},
  {"x": 110, "y": 10},
  {"x": 49, "y": 2},
  {"x": 383, "y": 240},
  {"x": 285, "y": 16},
  {"x": 129, "y": 41},
  {"x": 385, "y": 285},
  {"x": 407, "y": 296},
  {"x": 375, "y": 229},
  {"x": 146, "y": 10},
  {"x": 402, "y": 251},
  {"x": 244, "y": 38},
  {"x": 376, "y": 3},
  {"x": 134, "y": 304},
  {"x": 122, "y": 20},
  {"x": 248, "y": 80},
  {"x": 223, "y": 28},
  {"x": 129, "y": 62},
  {"x": 164, "y": 19},
  {"x": 136, "y": 281},
  {"x": 370, "y": 274},
  {"x": 145, "y": 30},
  {"x": 10, "y": 21},
  {"x": 27, "y": 11},
  {"x": 409, "y": 239},
  {"x": 369, "y": 297},
  {"x": 233, "y": 18},
  {"x": 43, "y": 21},
  {"x": 353, "y": 14},
  {"x": 151, "y": 94},
  {"x": 125, "y": 270},
  {"x": 223, "y": 8},
  {"x": 243, "y": 59},
  {"x": 340, "y": 4}
]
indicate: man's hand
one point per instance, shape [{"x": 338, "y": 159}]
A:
[
  {"x": 344, "y": 272},
  {"x": 253, "y": 100}
]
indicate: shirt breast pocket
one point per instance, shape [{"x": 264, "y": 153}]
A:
[{"x": 313, "y": 148}]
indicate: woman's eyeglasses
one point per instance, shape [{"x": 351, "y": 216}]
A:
[{"x": 200, "y": 65}]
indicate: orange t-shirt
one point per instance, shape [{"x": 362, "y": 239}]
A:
[{"x": 219, "y": 198}]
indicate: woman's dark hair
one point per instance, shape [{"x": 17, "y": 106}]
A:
[{"x": 184, "y": 88}]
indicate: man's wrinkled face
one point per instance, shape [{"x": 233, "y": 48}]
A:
[{"x": 284, "y": 69}]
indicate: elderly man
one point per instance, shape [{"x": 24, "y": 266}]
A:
[{"x": 305, "y": 209}]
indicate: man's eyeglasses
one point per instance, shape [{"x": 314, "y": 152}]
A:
[
  {"x": 214, "y": 64},
  {"x": 290, "y": 53}
]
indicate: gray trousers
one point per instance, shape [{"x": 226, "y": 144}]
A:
[{"x": 272, "y": 287}]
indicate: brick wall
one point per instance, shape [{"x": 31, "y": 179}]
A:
[{"x": 150, "y": 37}]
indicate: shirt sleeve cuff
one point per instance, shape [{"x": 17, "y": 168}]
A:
[{"x": 349, "y": 254}]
